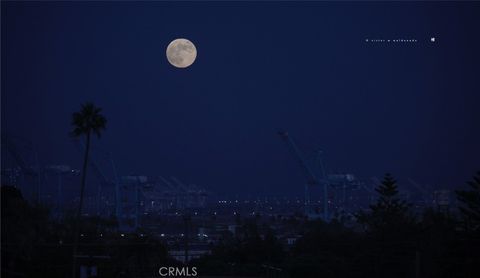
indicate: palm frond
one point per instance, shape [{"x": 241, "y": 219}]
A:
[{"x": 89, "y": 119}]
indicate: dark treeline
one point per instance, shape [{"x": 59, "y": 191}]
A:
[
  {"x": 33, "y": 245},
  {"x": 388, "y": 241}
]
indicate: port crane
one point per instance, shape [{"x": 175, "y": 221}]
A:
[
  {"x": 311, "y": 177},
  {"x": 104, "y": 181},
  {"x": 33, "y": 172}
]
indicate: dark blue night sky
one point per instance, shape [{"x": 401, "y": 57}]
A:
[{"x": 411, "y": 109}]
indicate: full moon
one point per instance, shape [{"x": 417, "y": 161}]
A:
[{"x": 181, "y": 53}]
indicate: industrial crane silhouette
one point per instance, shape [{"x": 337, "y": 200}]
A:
[
  {"x": 426, "y": 193},
  {"x": 27, "y": 170},
  {"x": 104, "y": 181},
  {"x": 60, "y": 171},
  {"x": 311, "y": 177},
  {"x": 175, "y": 191}
]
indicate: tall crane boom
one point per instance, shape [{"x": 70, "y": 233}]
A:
[
  {"x": 103, "y": 179},
  {"x": 12, "y": 148},
  {"x": 309, "y": 174},
  {"x": 34, "y": 172}
]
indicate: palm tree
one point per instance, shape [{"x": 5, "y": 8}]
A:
[{"x": 85, "y": 122}]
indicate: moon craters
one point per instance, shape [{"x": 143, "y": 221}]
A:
[{"x": 181, "y": 53}]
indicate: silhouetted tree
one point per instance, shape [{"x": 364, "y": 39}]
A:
[
  {"x": 470, "y": 207},
  {"x": 389, "y": 215},
  {"x": 85, "y": 122},
  {"x": 26, "y": 238},
  {"x": 391, "y": 230}
]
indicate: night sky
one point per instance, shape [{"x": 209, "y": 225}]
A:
[{"x": 411, "y": 109}]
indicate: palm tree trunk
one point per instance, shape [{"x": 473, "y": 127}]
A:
[{"x": 80, "y": 205}]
